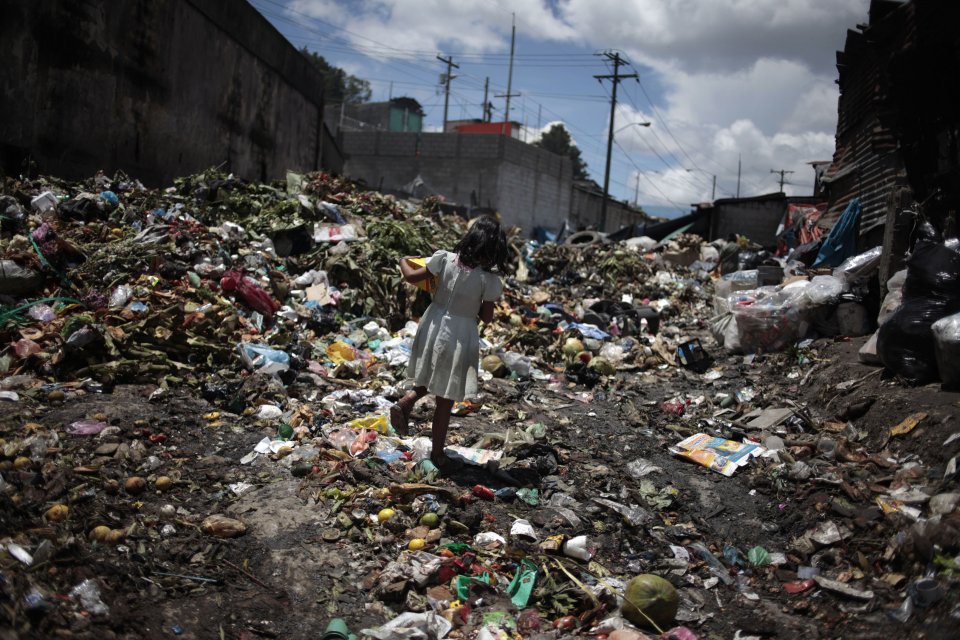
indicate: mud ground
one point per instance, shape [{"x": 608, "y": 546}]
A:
[{"x": 284, "y": 580}]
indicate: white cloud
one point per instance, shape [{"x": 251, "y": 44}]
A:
[
  {"x": 713, "y": 35},
  {"x": 752, "y": 79}
]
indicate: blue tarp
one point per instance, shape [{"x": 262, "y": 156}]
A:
[{"x": 842, "y": 241}]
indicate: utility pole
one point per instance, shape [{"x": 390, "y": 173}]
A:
[
  {"x": 447, "y": 78},
  {"x": 738, "y": 175},
  {"x": 509, "y": 94},
  {"x": 487, "y": 106},
  {"x": 636, "y": 193},
  {"x": 782, "y": 172},
  {"x": 713, "y": 193},
  {"x": 616, "y": 78}
]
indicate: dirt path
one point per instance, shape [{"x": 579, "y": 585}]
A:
[{"x": 285, "y": 578}]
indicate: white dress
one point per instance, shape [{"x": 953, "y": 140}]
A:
[{"x": 446, "y": 350}]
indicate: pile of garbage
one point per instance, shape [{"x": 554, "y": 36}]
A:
[
  {"x": 178, "y": 357},
  {"x": 109, "y": 282}
]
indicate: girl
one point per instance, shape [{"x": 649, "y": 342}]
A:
[{"x": 446, "y": 349}]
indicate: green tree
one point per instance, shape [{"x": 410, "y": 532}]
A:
[
  {"x": 557, "y": 139},
  {"x": 338, "y": 85}
]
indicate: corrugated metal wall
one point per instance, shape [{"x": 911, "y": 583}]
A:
[{"x": 867, "y": 163}]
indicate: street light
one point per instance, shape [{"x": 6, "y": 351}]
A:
[
  {"x": 632, "y": 124},
  {"x": 606, "y": 173}
]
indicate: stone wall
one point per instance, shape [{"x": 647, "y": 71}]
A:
[{"x": 156, "y": 88}]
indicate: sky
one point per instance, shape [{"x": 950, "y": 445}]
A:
[{"x": 721, "y": 82}]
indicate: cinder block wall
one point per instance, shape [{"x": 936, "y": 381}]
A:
[
  {"x": 529, "y": 186},
  {"x": 156, "y": 88}
]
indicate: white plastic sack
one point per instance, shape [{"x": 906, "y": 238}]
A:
[
  {"x": 946, "y": 334},
  {"x": 859, "y": 268},
  {"x": 890, "y": 304},
  {"x": 895, "y": 283},
  {"x": 643, "y": 243},
  {"x": 724, "y": 330},
  {"x": 518, "y": 363},
  {"x": 824, "y": 290}
]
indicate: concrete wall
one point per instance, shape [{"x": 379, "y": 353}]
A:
[
  {"x": 585, "y": 212},
  {"x": 156, "y": 88},
  {"x": 529, "y": 186}
]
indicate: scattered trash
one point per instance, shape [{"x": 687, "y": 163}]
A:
[{"x": 720, "y": 455}]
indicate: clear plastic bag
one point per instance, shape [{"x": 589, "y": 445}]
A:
[
  {"x": 824, "y": 290},
  {"x": 859, "y": 268},
  {"x": 946, "y": 333}
]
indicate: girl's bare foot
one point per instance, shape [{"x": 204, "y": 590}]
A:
[
  {"x": 398, "y": 419},
  {"x": 445, "y": 464}
]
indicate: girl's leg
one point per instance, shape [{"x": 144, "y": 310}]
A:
[
  {"x": 400, "y": 412},
  {"x": 441, "y": 420}
]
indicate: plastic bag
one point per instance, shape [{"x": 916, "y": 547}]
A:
[
  {"x": 859, "y": 268},
  {"x": 263, "y": 358},
  {"x": 768, "y": 319},
  {"x": 724, "y": 330},
  {"x": 736, "y": 281},
  {"x": 905, "y": 342},
  {"x": 946, "y": 333},
  {"x": 120, "y": 297},
  {"x": 824, "y": 290},
  {"x": 16, "y": 280},
  {"x": 518, "y": 363},
  {"x": 250, "y": 292}
]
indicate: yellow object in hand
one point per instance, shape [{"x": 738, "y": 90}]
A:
[{"x": 430, "y": 284}]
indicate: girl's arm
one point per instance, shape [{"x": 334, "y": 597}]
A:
[
  {"x": 486, "y": 311},
  {"x": 412, "y": 273}
]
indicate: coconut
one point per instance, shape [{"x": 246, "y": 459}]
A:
[
  {"x": 493, "y": 365},
  {"x": 602, "y": 366},
  {"x": 57, "y": 513},
  {"x": 571, "y": 348},
  {"x": 650, "y": 598},
  {"x": 99, "y": 533},
  {"x": 114, "y": 536},
  {"x": 135, "y": 485}
]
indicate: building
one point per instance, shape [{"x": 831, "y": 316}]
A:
[
  {"x": 756, "y": 218},
  {"x": 396, "y": 114},
  {"x": 510, "y": 129}
]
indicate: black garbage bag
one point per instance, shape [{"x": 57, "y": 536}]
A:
[
  {"x": 806, "y": 253},
  {"x": 905, "y": 342}
]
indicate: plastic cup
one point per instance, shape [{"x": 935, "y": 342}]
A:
[
  {"x": 336, "y": 630},
  {"x": 927, "y": 592}
]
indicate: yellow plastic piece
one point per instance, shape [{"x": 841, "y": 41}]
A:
[
  {"x": 340, "y": 352},
  {"x": 430, "y": 284},
  {"x": 380, "y": 424}
]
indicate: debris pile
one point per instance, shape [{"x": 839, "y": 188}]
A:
[{"x": 195, "y": 404}]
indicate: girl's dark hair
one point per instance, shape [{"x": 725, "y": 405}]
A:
[{"x": 484, "y": 244}]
